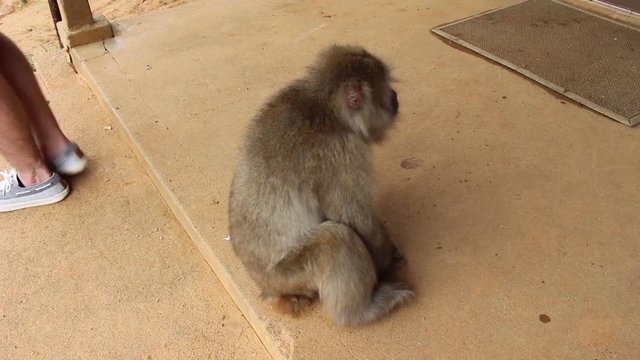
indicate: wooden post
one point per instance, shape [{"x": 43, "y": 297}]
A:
[
  {"x": 56, "y": 16},
  {"x": 79, "y": 26},
  {"x": 76, "y": 13}
]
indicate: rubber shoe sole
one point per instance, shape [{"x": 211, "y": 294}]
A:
[
  {"x": 14, "y": 196},
  {"x": 36, "y": 202}
]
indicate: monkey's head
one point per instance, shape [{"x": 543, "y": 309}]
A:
[{"x": 356, "y": 85}]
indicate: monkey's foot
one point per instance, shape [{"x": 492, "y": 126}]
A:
[
  {"x": 398, "y": 260},
  {"x": 293, "y": 304}
]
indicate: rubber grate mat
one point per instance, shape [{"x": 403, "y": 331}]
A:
[{"x": 587, "y": 58}]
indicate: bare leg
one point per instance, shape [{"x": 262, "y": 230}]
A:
[
  {"x": 17, "y": 145},
  {"x": 17, "y": 72}
]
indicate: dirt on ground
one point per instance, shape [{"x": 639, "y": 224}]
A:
[
  {"x": 119, "y": 9},
  {"x": 31, "y": 27}
]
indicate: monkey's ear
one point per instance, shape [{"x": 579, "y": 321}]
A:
[{"x": 355, "y": 95}]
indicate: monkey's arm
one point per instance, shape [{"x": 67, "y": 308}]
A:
[{"x": 376, "y": 239}]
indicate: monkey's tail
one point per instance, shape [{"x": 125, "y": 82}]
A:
[{"x": 386, "y": 297}]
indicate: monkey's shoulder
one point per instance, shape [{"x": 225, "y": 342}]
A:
[
  {"x": 295, "y": 130},
  {"x": 297, "y": 108}
]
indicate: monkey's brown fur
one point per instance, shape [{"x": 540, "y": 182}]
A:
[{"x": 300, "y": 210}]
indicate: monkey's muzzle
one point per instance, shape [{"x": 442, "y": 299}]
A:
[{"x": 394, "y": 102}]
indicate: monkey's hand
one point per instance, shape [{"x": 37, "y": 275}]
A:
[{"x": 398, "y": 259}]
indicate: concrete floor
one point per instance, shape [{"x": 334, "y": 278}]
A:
[
  {"x": 522, "y": 206},
  {"x": 108, "y": 273}
]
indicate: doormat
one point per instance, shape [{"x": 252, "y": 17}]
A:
[{"x": 590, "y": 59}]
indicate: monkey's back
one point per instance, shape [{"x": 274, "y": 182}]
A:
[{"x": 294, "y": 151}]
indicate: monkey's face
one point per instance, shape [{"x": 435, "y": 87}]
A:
[
  {"x": 357, "y": 87},
  {"x": 384, "y": 106}
]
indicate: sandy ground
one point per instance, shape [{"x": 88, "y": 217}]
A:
[{"x": 31, "y": 27}]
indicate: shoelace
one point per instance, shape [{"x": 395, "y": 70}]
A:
[{"x": 8, "y": 180}]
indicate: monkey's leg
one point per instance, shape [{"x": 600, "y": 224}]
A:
[
  {"x": 336, "y": 262},
  {"x": 289, "y": 293},
  {"x": 349, "y": 204}
]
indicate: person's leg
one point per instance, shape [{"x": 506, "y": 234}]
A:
[
  {"x": 60, "y": 154},
  {"x": 18, "y": 73},
  {"x": 16, "y": 141},
  {"x": 31, "y": 183}
]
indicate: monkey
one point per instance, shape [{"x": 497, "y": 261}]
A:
[{"x": 300, "y": 205}]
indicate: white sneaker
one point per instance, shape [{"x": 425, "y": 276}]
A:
[
  {"x": 13, "y": 196},
  {"x": 70, "y": 162}
]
